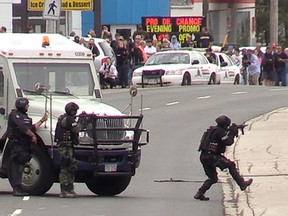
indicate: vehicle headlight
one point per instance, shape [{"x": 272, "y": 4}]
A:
[
  {"x": 173, "y": 72},
  {"x": 137, "y": 73}
]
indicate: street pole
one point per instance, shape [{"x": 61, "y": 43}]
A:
[
  {"x": 273, "y": 22},
  {"x": 233, "y": 29},
  {"x": 205, "y": 9},
  {"x": 97, "y": 17},
  {"x": 25, "y": 17}
]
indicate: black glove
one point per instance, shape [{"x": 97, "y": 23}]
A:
[
  {"x": 82, "y": 120},
  {"x": 233, "y": 129}
]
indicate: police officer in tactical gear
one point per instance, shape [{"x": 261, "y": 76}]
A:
[
  {"x": 21, "y": 133},
  {"x": 66, "y": 136},
  {"x": 212, "y": 146}
]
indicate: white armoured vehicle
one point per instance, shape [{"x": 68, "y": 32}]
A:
[{"x": 51, "y": 70}]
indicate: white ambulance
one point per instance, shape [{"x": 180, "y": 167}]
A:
[{"x": 51, "y": 70}]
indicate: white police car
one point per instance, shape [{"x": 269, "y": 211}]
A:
[
  {"x": 176, "y": 67},
  {"x": 229, "y": 71}
]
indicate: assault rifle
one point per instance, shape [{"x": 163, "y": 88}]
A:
[{"x": 241, "y": 127}]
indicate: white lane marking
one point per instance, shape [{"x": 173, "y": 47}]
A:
[
  {"x": 41, "y": 208},
  {"x": 235, "y": 93},
  {"x": 26, "y": 198},
  {"x": 279, "y": 89},
  {"x": 17, "y": 212},
  {"x": 203, "y": 97},
  {"x": 172, "y": 103},
  {"x": 147, "y": 108}
]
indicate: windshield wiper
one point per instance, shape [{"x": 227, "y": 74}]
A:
[
  {"x": 33, "y": 92},
  {"x": 64, "y": 93}
]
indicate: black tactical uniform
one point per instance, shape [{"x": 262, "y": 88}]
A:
[
  {"x": 212, "y": 147},
  {"x": 19, "y": 141},
  {"x": 66, "y": 136}
]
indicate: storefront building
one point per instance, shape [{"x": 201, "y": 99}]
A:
[{"x": 123, "y": 16}]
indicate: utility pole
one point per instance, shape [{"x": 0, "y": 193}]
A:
[
  {"x": 273, "y": 21},
  {"x": 205, "y": 9},
  {"x": 233, "y": 29},
  {"x": 25, "y": 17},
  {"x": 97, "y": 17}
]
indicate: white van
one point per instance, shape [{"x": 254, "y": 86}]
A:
[
  {"x": 105, "y": 51},
  {"x": 51, "y": 70}
]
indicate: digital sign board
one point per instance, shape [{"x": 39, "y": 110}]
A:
[{"x": 179, "y": 26}]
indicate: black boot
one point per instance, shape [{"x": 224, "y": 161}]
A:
[
  {"x": 245, "y": 184},
  {"x": 70, "y": 188},
  {"x": 66, "y": 191},
  {"x": 200, "y": 196}
]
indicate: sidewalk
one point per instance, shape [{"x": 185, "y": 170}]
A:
[{"x": 261, "y": 154}]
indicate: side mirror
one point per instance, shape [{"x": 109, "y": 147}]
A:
[
  {"x": 2, "y": 111},
  {"x": 133, "y": 91},
  {"x": 39, "y": 88},
  {"x": 195, "y": 62}
]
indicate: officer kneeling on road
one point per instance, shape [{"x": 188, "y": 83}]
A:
[
  {"x": 212, "y": 146},
  {"x": 66, "y": 135},
  {"x": 21, "y": 133}
]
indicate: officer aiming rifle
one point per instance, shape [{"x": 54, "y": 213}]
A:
[{"x": 213, "y": 146}]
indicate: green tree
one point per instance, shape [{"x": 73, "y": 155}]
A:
[{"x": 263, "y": 21}]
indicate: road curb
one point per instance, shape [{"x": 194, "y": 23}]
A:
[{"x": 235, "y": 201}]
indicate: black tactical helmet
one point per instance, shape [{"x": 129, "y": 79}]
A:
[
  {"x": 223, "y": 121},
  {"x": 21, "y": 103},
  {"x": 70, "y": 107}
]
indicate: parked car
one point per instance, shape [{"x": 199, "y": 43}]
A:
[
  {"x": 228, "y": 70},
  {"x": 105, "y": 51},
  {"x": 176, "y": 67}
]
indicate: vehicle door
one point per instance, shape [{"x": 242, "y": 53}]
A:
[
  {"x": 231, "y": 69},
  {"x": 223, "y": 71},
  {"x": 3, "y": 107},
  {"x": 206, "y": 68}
]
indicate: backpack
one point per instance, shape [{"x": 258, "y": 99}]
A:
[{"x": 205, "y": 143}]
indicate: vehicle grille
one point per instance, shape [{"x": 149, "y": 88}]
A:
[
  {"x": 110, "y": 134},
  {"x": 151, "y": 73}
]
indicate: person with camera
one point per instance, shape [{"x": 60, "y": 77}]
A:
[
  {"x": 253, "y": 69},
  {"x": 66, "y": 135},
  {"x": 245, "y": 64},
  {"x": 212, "y": 147},
  {"x": 108, "y": 74}
]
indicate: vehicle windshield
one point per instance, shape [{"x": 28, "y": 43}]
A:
[
  {"x": 169, "y": 58},
  {"x": 59, "y": 78},
  {"x": 106, "y": 49}
]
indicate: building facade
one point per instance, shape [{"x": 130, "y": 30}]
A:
[{"x": 236, "y": 17}]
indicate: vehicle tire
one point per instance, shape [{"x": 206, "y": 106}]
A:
[
  {"x": 237, "y": 80},
  {"x": 186, "y": 79},
  {"x": 38, "y": 175},
  {"x": 212, "y": 79},
  {"x": 108, "y": 185}
]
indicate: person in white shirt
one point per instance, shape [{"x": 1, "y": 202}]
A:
[
  {"x": 108, "y": 74},
  {"x": 149, "y": 49}
]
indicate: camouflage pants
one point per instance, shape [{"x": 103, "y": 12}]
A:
[{"x": 68, "y": 163}]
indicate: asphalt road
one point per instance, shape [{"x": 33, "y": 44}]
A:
[{"x": 170, "y": 172}]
